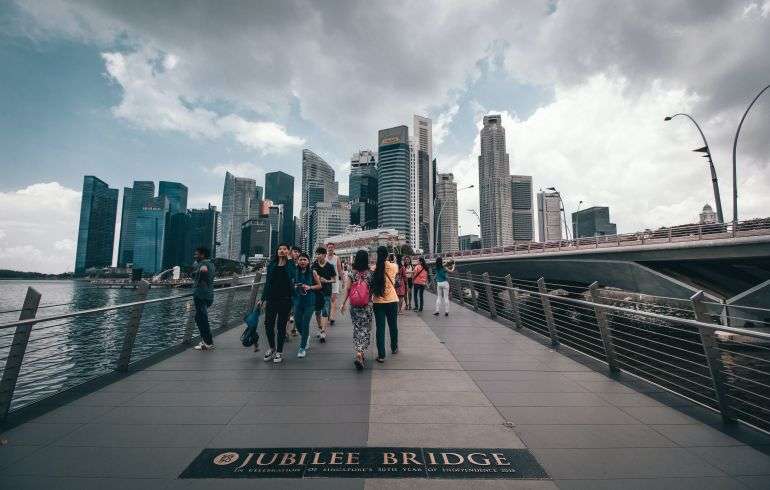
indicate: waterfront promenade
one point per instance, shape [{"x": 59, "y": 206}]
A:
[{"x": 459, "y": 382}]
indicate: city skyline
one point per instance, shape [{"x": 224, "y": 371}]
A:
[{"x": 96, "y": 90}]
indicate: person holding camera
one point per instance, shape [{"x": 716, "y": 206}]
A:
[{"x": 442, "y": 285}]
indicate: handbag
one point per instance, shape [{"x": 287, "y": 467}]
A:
[{"x": 250, "y": 336}]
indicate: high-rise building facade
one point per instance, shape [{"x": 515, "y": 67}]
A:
[
  {"x": 240, "y": 201},
  {"x": 203, "y": 229},
  {"x": 469, "y": 242},
  {"x": 327, "y": 219},
  {"x": 276, "y": 217},
  {"x": 426, "y": 180},
  {"x": 149, "y": 240},
  {"x": 446, "y": 214},
  {"x": 494, "y": 185},
  {"x": 96, "y": 230},
  {"x": 133, "y": 199},
  {"x": 257, "y": 238},
  {"x": 363, "y": 189},
  {"x": 593, "y": 221},
  {"x": 414, "y": 198},
  {"x": 279, "y": 188},
  {"x": 523, "y": 218},
  {"x": 549, "y": 216},
  {"x": 318, "y": 185},
  {"x": 393, "y": 200},
  {"x": 177, "y": 246},
  {"x": 176, "y": 194}
]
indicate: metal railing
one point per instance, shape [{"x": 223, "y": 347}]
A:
[
  {"x": 683, "y": 233},
  {"x": 685, "y": 350},
  {"x": 42, "y": 356}
]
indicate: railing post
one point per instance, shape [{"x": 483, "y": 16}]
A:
[
  {"x": 604, "y": 329},
  {"x": 512, "y": 298},
  {"x": 188, "y": 328},
  {"x": 133, "y": 327},
  {"x": 700, "y": 231},
  {"x": 669, "y": 234},
  {"x": 714, "y": 358},
  {"x": 16, "y": 352},
  {"x": 255, "y": 288},
  {"x": 548, "y": 312},
  {"x": 490, "y": 296},
  {"x": 474, "y": 296},
  {"x": 227, "y": 308}
]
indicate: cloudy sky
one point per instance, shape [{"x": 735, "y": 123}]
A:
[{"x": 185, "y": 90}]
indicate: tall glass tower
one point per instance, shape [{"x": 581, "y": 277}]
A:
[
  {"x": 240, "y": 201},
  {"x": 176, "y": 194},
  {"x": 96, "y": 230},
  {"x": 521, "y": 206},
  {"x": 363, "y": 189},
  {"x": 279, "y": 188},
  {"x": 133, "y": 200},
  {"x": 318, "y": 185},
  {"x": 149, "y": 240},
  {"x": 494, "y": 186},
  {"x": 393, "y": 178},
  {"x": 423, "y": 147}
]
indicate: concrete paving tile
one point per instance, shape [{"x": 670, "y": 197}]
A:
[
  {"x": 608, "y": 386},
  {"x": 191, "y": 398},
  {"x": 390, "y": 385},
  {"x": 220, "y": 386},
  {"x": 567, "y": 464},
  {"x": 590, "y": 436},
  {"x": 755, "y": 482},
  {"x": 11, "y": 453},
  {"x": 104, "y": 399},
  {"x": 659, "y": 415},
  {"x": 696, "y": 435},
  {"x": 73, "y": 414},
  {"x": 630, "y": 400},
  {"x": 128, "y": 386},
  {"x": 59, "y": 483},
  {"x": 181, "y": 415},
  {"x": 567, "y": 416},
  {"x": 35, "y": 434},
  {"x": 443, "y": 435},
  {"x": 532, "y": 386},
  {"x": 301, "y": 414},
  {"x": 426, "y": 414},
  {"x": 706, "y": 483},
  {"x": 109, "y": 435},
  {"x": 736, "y": 460},
  {"x": 292, "y": 435},
  {"x": 546, "y": 399},
  {"x": 442, "y": 398},
  {"x": 322, "y": 398},
  {"x": 514, "y": 376}
]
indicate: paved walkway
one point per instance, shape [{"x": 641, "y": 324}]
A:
[{"x": 455, "y": 383}]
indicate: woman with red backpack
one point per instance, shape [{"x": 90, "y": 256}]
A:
[{"x": 358, "y": 293}]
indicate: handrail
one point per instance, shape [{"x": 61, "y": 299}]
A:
[{"x": 101, "y": 309}]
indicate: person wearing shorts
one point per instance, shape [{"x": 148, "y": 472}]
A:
[
  {"x": 328, "y": 276},
  {"x": 335, "y": 262}
]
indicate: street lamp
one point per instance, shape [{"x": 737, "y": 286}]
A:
[
  {"x": 438, "y": 216},
  {"x": 735, "y": 146},
  {"x": 563, "y": 212},
  {"x": 576, "y": 233},
  {"x": 707, "y": 151}
]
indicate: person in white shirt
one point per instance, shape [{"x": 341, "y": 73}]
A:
[{"x": 334, "y": 260}]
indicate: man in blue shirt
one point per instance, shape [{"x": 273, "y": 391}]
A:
[{"x": 203, "y": 295}]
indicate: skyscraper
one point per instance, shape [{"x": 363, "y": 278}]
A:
[
  {"x": 426, "y": 183},
  {"x": 177, "y": 244},
  {"x": 393, "y": 200},
  {"x": 133, "y": 199},
  {"x": 203, "y": 228},
  {"x": 256, "y": 238},
  {"x": 446, "y": 214},
  {"x": 414, "y": 198},
  {"x": 521, "y": 205},
  {"x": 327, "y": 219},
  {"x": 176, "y": 194},
  {"x": 96, "y": 230},
  {"x": 494, "y": 185},
  {"x": 149, "y": 239},
  {"x": 318, "y": 185},
  {"x": 549, "y": 215},
  {"x": 363, "y": 189},
  {"x": 279, "y": 188},
  {"x": 593, "y": 221},
  {"x": 276, "y": 217},
  {"x": 240, "y": 201}
]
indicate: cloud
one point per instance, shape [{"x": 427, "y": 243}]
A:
[
  {"x": 239, "y": 169},
  {"x": 39, "y": 228}
]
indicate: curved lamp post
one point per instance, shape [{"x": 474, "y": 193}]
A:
[
  {"x": 707, "y": 151},
  {"x": 735, "y": 146},
  {"x": 438, "y": 216}
]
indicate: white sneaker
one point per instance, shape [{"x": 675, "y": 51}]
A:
[
  {"x": 322, "y": 338},
  {"x": 277, "y": 359},
  {"x": 301, "y": 353},
  {"x": 204, "y": 346},
  {"x": 269, "y": 355}
]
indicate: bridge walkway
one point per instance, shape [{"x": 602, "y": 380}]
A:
[{"x": 462, "y": 381}]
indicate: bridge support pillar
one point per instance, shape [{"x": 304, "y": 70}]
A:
[
  {"x": 474, "y": 295},
  {"x": 548, "y": 312},
  {"x": 513, "y": 299},
  {"x": 604, "y": 329},
  {"x": 713, "y": 357},
  {"x": 16, "y": 352},
  {"x": 490, "y": 296},
  {"x": 133, "y": 327}
]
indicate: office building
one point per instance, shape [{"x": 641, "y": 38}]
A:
[
  {"x": 240, "y": 201},
  {"x": 279, "y": 188},
  {"x": 593, "y": 221},
  {"x": 133, "y": 199},
  {"x": 426, "y": 180},
  {"x": 523, "y": 215},
  {"x": 327, "y": 219},
  {"x": 257, "y": 238},
  {"x": 318, "y": 185},
  {"x": 149, "y": 240},
  {"x": 176, "y": 194},
  {"x": 549, "y": 216},
  {"x": 177, "y": 246},
  {"x": 363, "y": 189},
  {"x": 494, "y": 185},
  {"x": 352, "y": 240},
  {"x": 203, "y": 229},
  {"x": 414, "y": 198},
  {"x": 446, "y": 214},
  {"x": 393, "y": 200},
  {"x": 96, "y": 230},
  {"x": 469, "y": 242},
  {"x": 276, "y": 217},
  {"x": 707, "y": 216}
]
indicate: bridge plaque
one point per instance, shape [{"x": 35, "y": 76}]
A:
[{"x": 365, "y": 462}]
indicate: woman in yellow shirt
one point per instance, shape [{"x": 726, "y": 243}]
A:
[{"x": 385, "y": 302}]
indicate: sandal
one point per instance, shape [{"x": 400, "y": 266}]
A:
[{"x": 359, "y": 361}]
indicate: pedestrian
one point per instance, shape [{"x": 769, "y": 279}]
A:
[
  {"x": 295, "y": 251},
  {"x": 385, "y": 301},
  {"x": 335, "y": 261},
  {"x": 442, "y": 285},
  {"x": 409, "y": 271},
  {"x": 277, "y": 296},
  {"x": 420, "y": 279},
  {"x": 358, "y": 292},
  {"x": 400, "y": 283},
  {"x": 327, "y": 275},
  {"x": 203, "y": 295},
  {"x": 306, "y": 286}
]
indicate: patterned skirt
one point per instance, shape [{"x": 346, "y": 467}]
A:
[{"x": 362, "y": 327}]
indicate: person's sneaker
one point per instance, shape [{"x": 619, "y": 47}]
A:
[
  {"x": 277, "y": 359},
  {"x": 291, "y": 319},
  {"x": 269, "y": 355},
  {"x": 301, "y": 353},
  {"x": 201, "y": 346},
  {"x": 446, "y": 314},
  {"x": 394, "y": 351},
  {"x": 322, "y": 338},
  {"x": 435, "y": 314},
  {"x": 331, "y": 322}
]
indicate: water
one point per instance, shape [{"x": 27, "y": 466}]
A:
[{"x": 65, "y": 353}]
